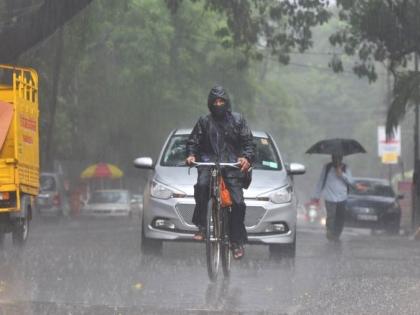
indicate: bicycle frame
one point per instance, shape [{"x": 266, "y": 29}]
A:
[{"x": 217, "y": 229}]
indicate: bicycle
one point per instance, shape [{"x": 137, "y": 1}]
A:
[{"x": 217, "y": 228}]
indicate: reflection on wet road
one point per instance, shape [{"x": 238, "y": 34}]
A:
[{"x": 94, "y": 267}]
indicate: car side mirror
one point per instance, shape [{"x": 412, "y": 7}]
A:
[
  {"x": 400, "y": 196},
  {"x": 144, "y": 163},
  {"x": 295, "y": 169}
]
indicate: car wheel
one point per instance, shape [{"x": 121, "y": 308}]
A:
[
  {"x": 393, "y": 228},
  {"x": 150, "y": 246},
  {"x": 278, "y": 251}
]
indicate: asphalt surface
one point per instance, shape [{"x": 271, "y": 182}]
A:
[{"x": 95, "y": 267}]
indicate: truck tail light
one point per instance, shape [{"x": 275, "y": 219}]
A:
[{"x": 5, "y": 195}]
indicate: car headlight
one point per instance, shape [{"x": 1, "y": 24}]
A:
[
  {"x": 161, "y": 191},
  {"x": 281, "y": 195}
]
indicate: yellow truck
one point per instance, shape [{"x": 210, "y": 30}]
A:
[{"x": 19, "y": 150}]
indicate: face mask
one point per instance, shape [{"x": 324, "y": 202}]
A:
[{"x": 218, "y": 111}]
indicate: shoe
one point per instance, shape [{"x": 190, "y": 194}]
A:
[
  {"x": 332, "y": 237},
  {"x": 200, "y": 235},
  {"x": 238, "y": 251}
]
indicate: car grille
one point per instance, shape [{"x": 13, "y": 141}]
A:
[{"x": 253, "y": 214}]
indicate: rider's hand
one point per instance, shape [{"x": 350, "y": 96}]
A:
[
  {"x": 244, "y": 164},
  {"x": 190, "y": 160}
]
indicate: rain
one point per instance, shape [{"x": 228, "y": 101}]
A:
[{"x": 98, "y": 101}]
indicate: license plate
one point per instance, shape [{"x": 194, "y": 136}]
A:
[{"x": 367, "y": 217}]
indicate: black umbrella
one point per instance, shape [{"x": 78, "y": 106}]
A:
[{"x": 337, "y": 146}]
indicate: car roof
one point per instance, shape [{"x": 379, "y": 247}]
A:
[
  {"x": 187, "y": 131},
  {"x": 371, "y": 179}
]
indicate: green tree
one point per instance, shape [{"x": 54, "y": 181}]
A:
[
  {"x": 130, "y": 73},
  {"x": 386, "y": 32},
  {"x": 26, "y": 23},
  {"x": 280, "y": 26}
]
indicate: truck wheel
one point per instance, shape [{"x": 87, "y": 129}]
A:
[
  {"x": 2, "y": 236},
  {"x": 20, "y": 231}
]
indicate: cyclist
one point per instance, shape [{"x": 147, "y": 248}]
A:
[{"x": 222, "y": 136}]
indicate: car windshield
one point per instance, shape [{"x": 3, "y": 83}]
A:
[
  {"x": 371, "y": 188},
  {"x": 109, "y": 197},
  {"x": 266, "y": 157},
  {"x": 47, "y": 183}
]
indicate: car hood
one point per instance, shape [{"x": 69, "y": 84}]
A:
[
  {"x": 370, "y": 201},
  {"x": 262, "y": 180}
]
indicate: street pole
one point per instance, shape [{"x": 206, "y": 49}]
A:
[
  {"x": 416, "y": 125},
  {"x": 388, "y": 104},
  {"x": 416, "y": 153}
]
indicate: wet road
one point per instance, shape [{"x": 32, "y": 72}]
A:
[{"x": 94, "y": 267}]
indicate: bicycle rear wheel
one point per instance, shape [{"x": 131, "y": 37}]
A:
[
  {"x": 225, "y": 244},
  {"x": 212, "y": 240}
]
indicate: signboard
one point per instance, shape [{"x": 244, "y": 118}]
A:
[
  {"x": 389, "y": 149},
  {"x": 390, "y": 158}
]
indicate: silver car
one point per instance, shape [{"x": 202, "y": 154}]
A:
[{"x": 168, "y": 203}]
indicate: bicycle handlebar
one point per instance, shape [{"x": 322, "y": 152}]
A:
[{"x": 234, "y": 165}]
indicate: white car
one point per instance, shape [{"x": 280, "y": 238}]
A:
[{"x": 108, "y": 202}]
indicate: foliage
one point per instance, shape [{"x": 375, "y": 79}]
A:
[
  {"x": 280, "y": 26},
  {"x": 131, "y": 72},
  {"x": 382, "y": 31},
  {"x": 28, "y": 23},
  {"x": 406, "y": 93}
]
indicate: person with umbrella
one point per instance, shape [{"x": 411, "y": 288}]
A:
[{"x": 334, "y": 181}]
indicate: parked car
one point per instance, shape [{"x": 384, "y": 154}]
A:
[
  {"x": 168, "y": 201},
  {"x": 375, "y": 207},
  {"x": 137, "y": 203},
  {"x": 52, "y": 199},
  {"x": 108, "y": 203}
]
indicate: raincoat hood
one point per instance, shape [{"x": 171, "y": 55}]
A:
[{"x": 218, "y": 92}]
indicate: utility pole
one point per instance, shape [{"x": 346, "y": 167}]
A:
[
  {"x": 388, "y": 104},
  {"x": 415, "y": 200},
  {"x": 416, "y": 124}
]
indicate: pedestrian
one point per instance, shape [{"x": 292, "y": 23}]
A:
[
  {"x": 222, "y": 136},
  {"x": 416, "y": 200},
  {"x": 333, "y": 185}
]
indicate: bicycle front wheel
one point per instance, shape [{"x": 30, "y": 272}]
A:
[
  {"x": 225, "y": 243},
  {"x": 212, "y": 240}
]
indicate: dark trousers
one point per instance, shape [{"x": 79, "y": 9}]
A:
[
  {"x": 335, "y": 218},
  {"x": 237, "y": 214}
]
